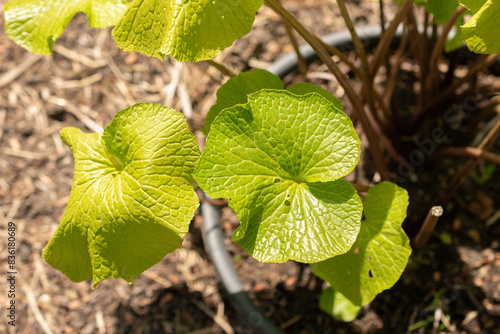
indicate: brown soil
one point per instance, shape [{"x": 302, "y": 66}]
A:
[{"x": 86, "y": 81}]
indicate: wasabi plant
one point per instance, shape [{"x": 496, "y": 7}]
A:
[{"x": 277, "y": 154}]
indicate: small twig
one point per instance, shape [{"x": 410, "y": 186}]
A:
[
  {"x": 36, "y": 311},
  {"x": 13, "y": 73},
  {"x": 187, "y": 106},
  {"x": 472, "y": 152},
  {"x": 291, "y": 321},
  {"x": 74, "y": 55},
  {"x": 121, "y": 82},
  {"x": 86, "y": 120},
  {"x": 428, "y": 227},
  {"x": 175, "y": 79},
  {"x": 3, "y": 113},
  {"x": 87, "y": 81},
  {"x": 218, "y": 319},
  {"x": 223, "y": 69},
  {"x": 22, "y": 154}
]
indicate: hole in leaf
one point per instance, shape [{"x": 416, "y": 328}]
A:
[
  {"x": 280, "y": 168},
  {"x": 288, "y": 195},
  {"x": 212, "y": 180},
  {"x": 370, "y": 273},
  {"x": 287, "y": 203},
  {"x": 276, "y": 180}
]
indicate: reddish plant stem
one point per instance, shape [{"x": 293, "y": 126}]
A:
[
  {"x": 343, "y": 58},
  {"x": 358, "y": 44},
  {"x": 433, "y": 106},
  {"x": 471, "y": 152},
  {"x": 467, "y": 168},
  {"x": 368, "y": 90},
  {"x": 464, "y": 172},
  {"x": 302, "y": 64},
  {"x": 382, "y": 15},
  {"x": 223, "y": 69},
  {"x": 390, "y": 84},
  {"x": 423, "y": 65},
  {"x": 387, "y": 37},
  {"x": 317, "y": 46},
  {"x": 441, "y": 42},
  {"x": 486, "y": 107}
]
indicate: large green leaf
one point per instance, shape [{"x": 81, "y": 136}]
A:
[
  {"x": 379, "y": 255},
  {"x": 36, "y": 24},
  {"x": 187, "y": 30},
  {"x": 132, "y": 196},
  {"x": 278, "y": 159},
  {"x": 482, "y": 31}
]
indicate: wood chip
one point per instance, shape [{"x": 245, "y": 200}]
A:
[
  {"x": 22, "y": 153},
  {"x": 13, "y": 73},
  {"x": 73, "y": 55},
  {"x": 33, "y": 306},
  {"x": 77, "y": 83}
]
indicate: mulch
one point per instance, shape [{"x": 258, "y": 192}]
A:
[{"x": 83, "y": 84}]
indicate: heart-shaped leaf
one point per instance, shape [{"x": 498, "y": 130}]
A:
[
  {"x": 379, "y": 255},
  {"x": 278, "y": 159},
  {"x": 132, "y": 196},
  {"x": 36, "y": 24}
]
